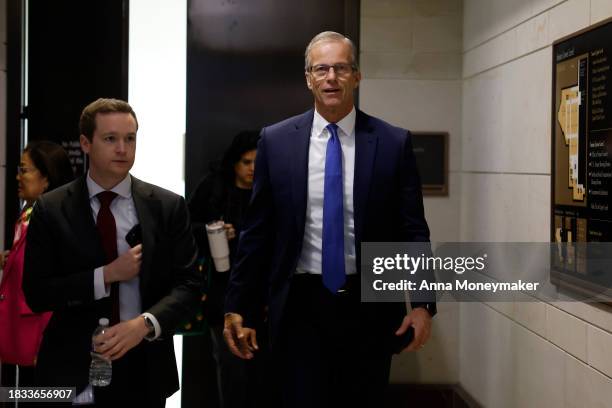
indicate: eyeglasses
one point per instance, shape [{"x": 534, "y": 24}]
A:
[
  {"x": 21, "y": 170},
  {"x": 320, "y": 71}
]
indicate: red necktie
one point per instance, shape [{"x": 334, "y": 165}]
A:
[{"x": 108, "y": 233}]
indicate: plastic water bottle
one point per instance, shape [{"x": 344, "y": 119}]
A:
[{"x": 100, "y": 370}]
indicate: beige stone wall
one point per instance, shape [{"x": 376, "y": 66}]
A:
[
  {"x": 521, "y": 354},
  {"x": 411, "y": 60},
  {"x": 481, "y": 69}
]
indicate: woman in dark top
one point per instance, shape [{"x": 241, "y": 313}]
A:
[{"x": 224, "y": 194}]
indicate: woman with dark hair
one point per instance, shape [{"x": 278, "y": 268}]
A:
[
  {"x": 43, "y": 167},
  {"x": 224, "y": 194},
  {"x": 52, "y": 162},
  {"x": 226, "y": 191}
]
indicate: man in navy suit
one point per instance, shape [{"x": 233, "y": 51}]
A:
[{"x": 326, "y": 181}]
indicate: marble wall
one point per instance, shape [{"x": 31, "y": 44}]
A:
[
  {"x": 481, "y": 70},
  {"x": 411, "y": 60},
  {"x": 527, "y": 354}
]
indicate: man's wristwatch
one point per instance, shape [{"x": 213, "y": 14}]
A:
[
  {"x": 430, "y": 307},
  {"x": 150, "y": 326}
]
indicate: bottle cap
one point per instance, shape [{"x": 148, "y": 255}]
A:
[{"x": 103, "y": 321}]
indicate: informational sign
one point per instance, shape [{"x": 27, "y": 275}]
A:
[
  {"x": 581, "y": 139},
  {"x": 431, "y": 153},
  {"x": 78, "y": 158}
]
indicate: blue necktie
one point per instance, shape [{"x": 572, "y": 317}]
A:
[{"x": 332, "y": 261}]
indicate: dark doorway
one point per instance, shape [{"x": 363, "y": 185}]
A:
[
  {"x": 245, "y": 67},
  {"x": 61, "y": 55},
  {"x": 245, "y": 70}
]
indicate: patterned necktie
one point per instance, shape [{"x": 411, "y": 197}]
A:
[
  {"x": 334, "y": 276},
  {"x": 108, "y": 233}
]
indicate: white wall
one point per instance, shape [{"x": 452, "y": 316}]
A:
[
  {"x": 157, "y": 89},
  {"x": 411, "y": 64},
  {"x": 157, "y": 92},
  {"x": 521, "y": 354}
]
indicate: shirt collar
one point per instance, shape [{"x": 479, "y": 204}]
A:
[
  {"x": 123, "y": 189},
  {"x": 347, "y": 124}
]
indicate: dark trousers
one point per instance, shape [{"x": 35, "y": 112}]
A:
[
  {"x": 26, "y": 379},
  {"x": 128, "y": 387},
  {"x": 129, "y": 384},
  {"x": 327, "y": 354},
  {"x": 242, "y": 383},
  {"x": 26, "y": 375}
]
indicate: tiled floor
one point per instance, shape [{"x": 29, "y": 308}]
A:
[{"x": 434, "y": 396}]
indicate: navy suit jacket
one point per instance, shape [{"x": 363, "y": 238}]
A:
[{"x": 388, "y": 206}]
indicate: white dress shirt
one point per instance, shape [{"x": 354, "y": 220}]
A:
[
  {"x": 126, "y": 218},
  {"x": 310, "y": 258}
]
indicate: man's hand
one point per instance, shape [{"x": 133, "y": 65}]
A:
[
  {"x": 120, "y": 338},
  {"x": 241, "y": 341},
  {"x": 230, "y": 231},
  {"x": 420, "y": 319},
  {"x": 125, "y": 267},
  {"x": 3, "y": 256}
]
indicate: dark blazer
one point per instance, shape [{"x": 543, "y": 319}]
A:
[
  {"x": 64, "y": 248},
  {"x": 388, "y": 206}
]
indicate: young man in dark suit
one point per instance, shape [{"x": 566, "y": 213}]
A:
[
  {"x": 110, "y": 245},
  {"x": 326, "y": 181}
]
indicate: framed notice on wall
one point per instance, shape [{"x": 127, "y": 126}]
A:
[
  {"x": 431, "y": 153},
  {"x": 581, "y": 169}
]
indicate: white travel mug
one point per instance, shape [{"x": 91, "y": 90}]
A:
[{"x": 217, "y": 242}]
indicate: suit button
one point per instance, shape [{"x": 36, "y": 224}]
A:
[{"x": 1, "y": 297}]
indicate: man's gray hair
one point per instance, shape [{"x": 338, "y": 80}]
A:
[{"x": 329, "y": 36}]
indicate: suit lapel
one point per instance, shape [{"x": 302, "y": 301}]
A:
[
  {"x": 147, "y": 209},
  {"x": 77, "y": 210},
  {"x": 300, "y": 144},
  {"x": 365, "y": 152}
]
